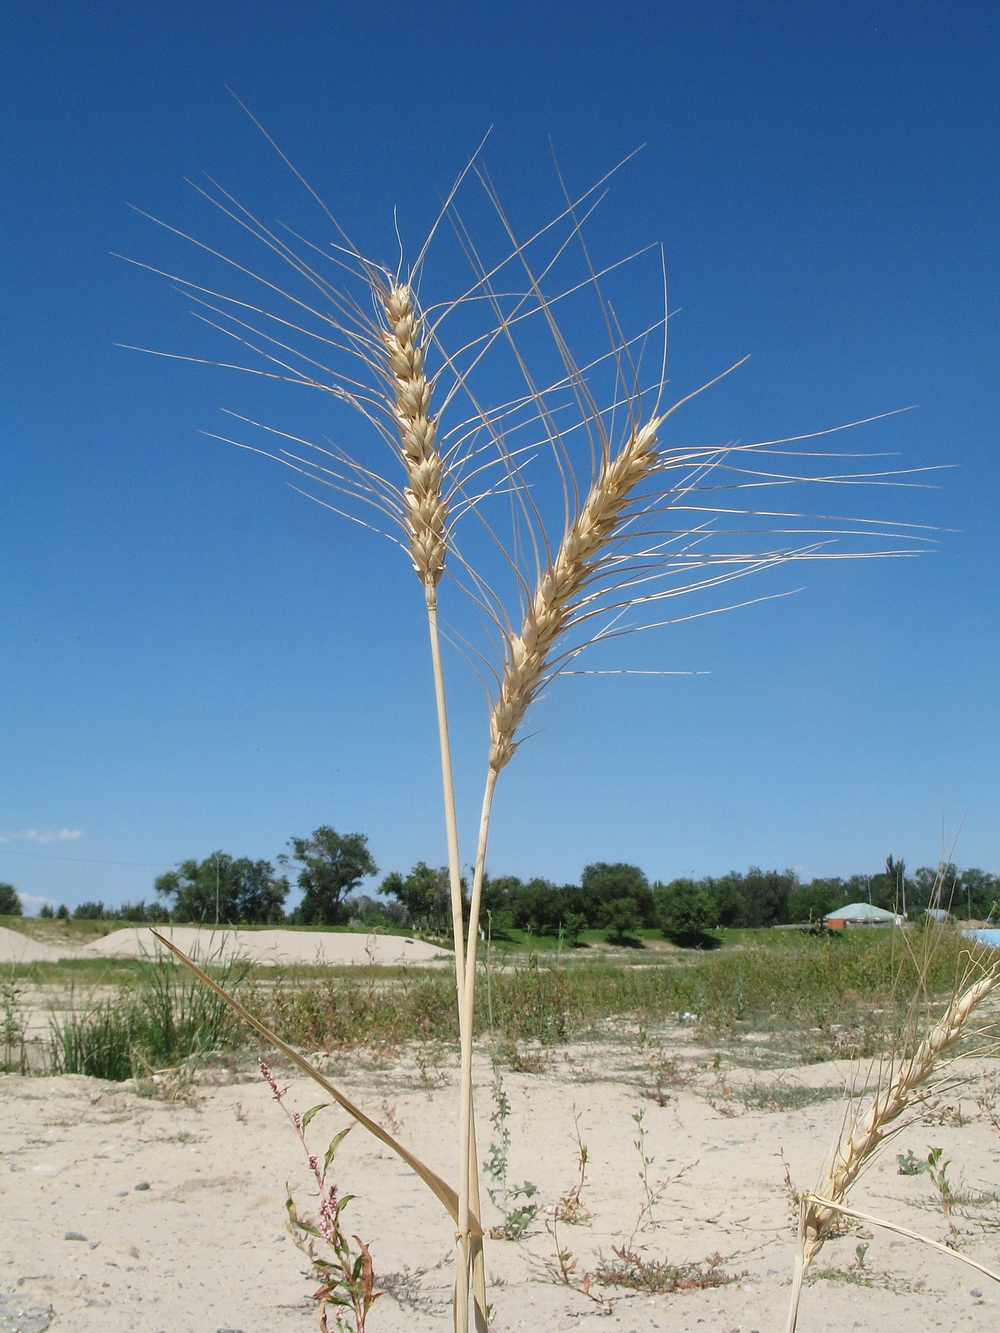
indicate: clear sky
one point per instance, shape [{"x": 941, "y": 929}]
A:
[{"x": 195, "y": 657}]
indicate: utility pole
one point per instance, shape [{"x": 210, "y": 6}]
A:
[{"x": 216, "y": 888}]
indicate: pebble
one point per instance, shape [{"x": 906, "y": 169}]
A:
[
  {"x": 976, "y": 1292},
  {"x": 23, "y": 1319},
  {"x": 73, "y": 1235},
  {"x": 143, "y": 1185}
]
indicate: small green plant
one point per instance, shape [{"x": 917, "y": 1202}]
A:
[
  {"x": 937, "y": 1169},
  {"x": 12, "y": 1029},
  {"x": 909, "y": 1164},
  {"x": 571, "y": 1208},
  {"x": 564, "y": 1267},
  {"x": 517, "y": 1216},
  {"x": 629, "y": 1268},
  {"x": 651, "y": 1195},
  {"x": 346, "y": 1276}
]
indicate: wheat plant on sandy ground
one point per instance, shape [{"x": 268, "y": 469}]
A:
[
  {"x": 526, "y": 474},
  {"x": 898, "y": 1085}
]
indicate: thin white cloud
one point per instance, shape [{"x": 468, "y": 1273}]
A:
[
  {"x": 43, "y": 836},
  {"x": 31, "y": 904}
]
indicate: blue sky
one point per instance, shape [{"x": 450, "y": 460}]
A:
[{"x": 196, "y": 657}]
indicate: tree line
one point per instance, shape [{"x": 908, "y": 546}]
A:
[{"x": 615, "y": 897}]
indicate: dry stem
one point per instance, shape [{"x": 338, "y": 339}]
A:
[
  {"x": 872, "y": 1126},
  {"x": 888, "y": 1104},
  {"x": 426, "y": 524}
]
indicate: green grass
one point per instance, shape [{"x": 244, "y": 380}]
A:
[
  {"x": 160, "y": 1018},
  {"x": 816, "y": 997},
  {"x": 811, "y": 984}
]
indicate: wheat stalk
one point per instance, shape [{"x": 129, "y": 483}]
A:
[
  {"x": 528, "y": 659},
  {"x": 878, "y": 1121},
  {"x": 425, "y": 509},
  {"x": 888, "y": 1104},
  {"x": 597, "y": 568}
]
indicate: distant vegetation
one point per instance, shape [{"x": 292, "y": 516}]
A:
[{"x": 615, "y": 898}]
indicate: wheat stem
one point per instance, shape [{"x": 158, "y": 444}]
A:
[
  {"x": 528, "y": 656},
  {"x": 874, "y": 1125},
  {"x": 425, "y": 516},
  {"x": 886, "y": 1107}
]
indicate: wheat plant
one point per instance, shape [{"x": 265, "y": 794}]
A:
[
  {"x": 526, "y": 479},
  {"x": 899, "y": 1082}
]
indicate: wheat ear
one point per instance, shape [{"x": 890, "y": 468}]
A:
[
  {"x": 426, "y": 524},
  {"x": 426, "y": 510},
  {"x": 528, "y": 659},
  {"x": 870, "y": 1129},
  {"x": 889, "y": 1103},
  {"x": 528, "y": 653}
]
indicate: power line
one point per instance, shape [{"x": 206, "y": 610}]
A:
[{"x": 81, "y": 860}]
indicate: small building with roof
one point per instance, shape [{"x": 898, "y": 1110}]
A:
[{"x": 861, "y": 914}]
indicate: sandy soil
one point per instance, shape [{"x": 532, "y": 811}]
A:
[
  {"x": 263, "y": 946},
  {"x": 122, "y": 1212}
]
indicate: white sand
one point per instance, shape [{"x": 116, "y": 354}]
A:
[
  {"x": 18, "y": 948},
  {"x": 263, "y": 946},
  {"x": 204, "y": 1248},
  {"x": 270, "y": 946}
]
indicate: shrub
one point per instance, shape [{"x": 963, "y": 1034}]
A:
[{"x": 684, "y": 911}]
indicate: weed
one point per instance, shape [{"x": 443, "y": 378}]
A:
[
  {"x": 522, "y": 1061},
  {"x": 389, "y": 1116},
  {"x": 432, "y": 1072},
  {"x": 632, "y": 1269},
  {"x": 792, "y": 1192},
  {"x": 941, "y": 1113},
  {"x": 936, "y": 1168},
  {"x": 12, "y": 1029},
  {"x": 517, "y": 1216},
  {"x": 664, "y": 1072},
  {"x": 780, "y": 1096},
  {"x": 570, "y": 1208},
  {"x": 988, "y": 1100},
  {"x": 563, "y": 1267},
  {"x": 909, "y": 1164},
  {"x": 651, "y": 1194},
  {"x": 346, "y": 1277}
]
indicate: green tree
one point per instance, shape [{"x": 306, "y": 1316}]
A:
[
  {"x": 424, "y": 893},
  {"x": 332, "y": 865},
  {"x": 890, "y": 887},
  {"x": 981, "y": 890},
  {"x": 811, "y": 902},
  {"x": 10, "y": 903},
  {"x": 89, "y": 912},
  {"x": 225, "y": 889},
  {"x": 537, "y": 906},
  {"x": 729, "y": 899},
  {"x": 767, "y": 893},
  {"x": 685, "y": 911},
  {"x": 46, "y": 911},
  {"x": 603, "y": 882},
  {"x": 621, "y": 918},
  {"x": 574, "y": 924}
]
